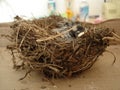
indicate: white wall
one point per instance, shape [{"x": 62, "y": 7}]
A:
[
  {"x": 60, "y": 5},
  {"x": 38, "y": 8},
  {"x": 25, "y": 8},
  {"x": 95, "y": 7}
]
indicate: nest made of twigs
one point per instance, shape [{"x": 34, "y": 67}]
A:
[{"x": 51, "y": 53}]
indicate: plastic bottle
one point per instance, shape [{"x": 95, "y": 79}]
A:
[
  {"x": 51, "y": 7},
  {"x": 69, "y": 11},
  {"x": 84, "y": 10},
  {"x": 109, "y": 10}
]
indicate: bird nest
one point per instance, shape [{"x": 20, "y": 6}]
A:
[{"x": 53, "y": 47}]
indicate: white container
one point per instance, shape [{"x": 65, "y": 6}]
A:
[
  {"x": 51, "y": 7},
  {"x": 117, "y": 3},
  {"x": 110, "y": 10},
  {"x": 84, "y": 10},
  {"x": 118, "y": 9}
]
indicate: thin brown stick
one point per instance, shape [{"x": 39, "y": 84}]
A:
[
  {"x": 88, "y": 49},
  {"x": 52, "y": 37},
  {"x": 117, "y": 36},
  {"x": 17, "y": 37},
  {"x": 116, "y": 40},
  {"x": 114, "y": 60},
  {"x": 24, "y": 38},
  {"x": 108, "y": 38},
  {"x": 28, "y": 72}
]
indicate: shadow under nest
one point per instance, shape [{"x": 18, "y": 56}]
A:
[{"x": 46, "y": 45}]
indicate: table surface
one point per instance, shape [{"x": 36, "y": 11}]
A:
[{"x": 102, "y": 76}]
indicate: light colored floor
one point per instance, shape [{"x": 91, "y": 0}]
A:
[{"x": 102, "y": 76}]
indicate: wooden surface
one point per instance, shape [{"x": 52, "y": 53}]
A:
[
  {"x": 102, "y": 76},
  {"x": 112, "y": 23}
]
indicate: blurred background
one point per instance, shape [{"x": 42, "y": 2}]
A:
[{"x": 84, "y": 10}]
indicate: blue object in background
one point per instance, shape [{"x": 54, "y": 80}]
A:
[
  {"x": 51, "y": 7},
  {"x": 84, "y": 10}
]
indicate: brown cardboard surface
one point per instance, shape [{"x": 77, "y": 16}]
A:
[{"x": 102, "y": 76}]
